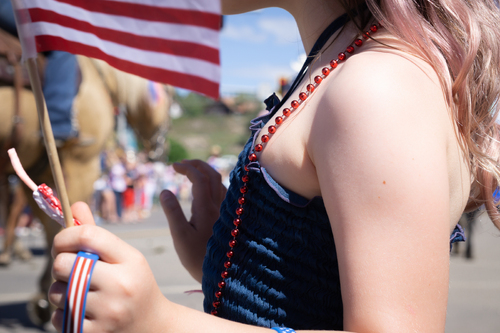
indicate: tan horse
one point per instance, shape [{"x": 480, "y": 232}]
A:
[{"x": 102, "y": 90}]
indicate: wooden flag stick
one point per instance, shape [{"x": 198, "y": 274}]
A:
[{"x": 48, "y": 138}]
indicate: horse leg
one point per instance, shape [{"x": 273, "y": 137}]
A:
[
  {"x": 39, "y": 309},
  {"x": 12, "y": 244},
  {"x": 5, "y": 257}
]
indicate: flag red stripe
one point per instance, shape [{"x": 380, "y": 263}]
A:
[
  {"x": 184, "y": 49},
  {"x": 150, "y": 13},
  {"x": 178, "y": 79},
  {"x": 81, "y": 315},
  {"x": 66, "y": 306},
  {"x": 73, "y": 314}
]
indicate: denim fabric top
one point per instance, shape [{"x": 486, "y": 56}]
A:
[{"x": 284, "y": 270}]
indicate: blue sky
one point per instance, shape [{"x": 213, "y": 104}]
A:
[{"x": 258, "y": 48}]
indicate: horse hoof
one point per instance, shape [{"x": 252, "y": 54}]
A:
[
  {"x": 5, "y": 259},
  {"x": 39, "y": 310},
  {"x": 21, "y": 251}
]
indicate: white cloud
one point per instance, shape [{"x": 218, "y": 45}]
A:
[
  {"x": 283, "y": 29},
  {"x": 296, "y": 64},
  {"x": 280, "y": 30},
  {"x": 242, "y": 33}
]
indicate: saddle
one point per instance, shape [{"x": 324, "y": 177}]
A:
[{"x": 11, "y": 71}]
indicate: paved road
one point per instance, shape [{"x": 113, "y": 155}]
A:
[{"x": 474, "y": 300}]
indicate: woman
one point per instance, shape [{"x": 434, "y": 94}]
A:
[{"x": 384, "y": 153}]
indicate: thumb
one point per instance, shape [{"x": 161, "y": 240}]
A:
[
  {"x": 81, "y": 212},
  {"x": 172, "y": 209}
]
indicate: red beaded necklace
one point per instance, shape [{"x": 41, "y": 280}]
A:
[{"x": 294, "y": 105}]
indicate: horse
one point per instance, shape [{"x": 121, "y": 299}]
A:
[{"x": 102, "y": 91}]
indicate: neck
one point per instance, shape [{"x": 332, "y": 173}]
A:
[{"x": 312, "y": 17}]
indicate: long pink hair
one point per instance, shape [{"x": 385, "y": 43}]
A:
[{"x": 460, "y": 39}]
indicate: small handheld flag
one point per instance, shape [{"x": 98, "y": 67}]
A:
[{"x": 168, "y": 41}]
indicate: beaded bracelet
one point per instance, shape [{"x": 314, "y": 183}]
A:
[{"x": 283, "y": 330}]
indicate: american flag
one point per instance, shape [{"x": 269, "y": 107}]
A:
[
  {"x": 169, "y": 41},
  {"x": 74, "y": 309}
]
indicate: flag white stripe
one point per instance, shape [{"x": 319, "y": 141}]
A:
[
  {"x": 210, "y": 6},
  {"x": 81, "y": 293},
  {"x": 71, "y": 299},
  {"x": 166, "y": 31},
  {"x": 200, "y": 68}
]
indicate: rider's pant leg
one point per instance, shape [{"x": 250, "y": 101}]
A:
[
  {"x": 60, "y": 88},
  {"x": 7, "y": 20}
]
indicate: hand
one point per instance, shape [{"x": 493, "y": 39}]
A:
[
  {"x": 191, "y": 237},
  {"x": 123, "y": 293}
]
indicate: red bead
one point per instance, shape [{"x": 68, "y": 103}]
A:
[
  {"x": 286, "y": 112},
  {"x": 366, "y": 35},
  {"x": 325, "y": 71},
  {"x": 303, "y": 96},
  {"x": 278, "y": 120},
  {"x": 237, "y": 221},
  {"x": 258, "y": 147},
  {"x": 222, "y": 285},
  {"x": 218, "y": 294},
  {"x": 252, "y": 157},
  {"x": 216, "y": 304},
  {"x": 235, "y": 232},
  {"x": 350, "y": 49},
  {"x": 264, "y": 138},
  {"x": 373, "y": 28},
  {"x": 227, "y": 264},
  {"x": 358, "y": 42},
  {"x": 334, "y": 63},
  {"x": 310, "y": 88},
  {"x": 272, "y": 129},
  {"x": 233, "y": 243},
  {"x": 295, "y": 104},
  {"x": 224, "y": 275},
  {"x": 245, "y": 179},
  {"x": 244, "y": 189},
  {"x": 318, "y": 79},
  {"x": 242, "y": 200},
  {"x": 229, "y": 254},
  {"x": 239, "y": 211},
  {"x": 214, "y": 312},
  {"x": 341, "y": 56},
  {"x": 246, "y": 168}
]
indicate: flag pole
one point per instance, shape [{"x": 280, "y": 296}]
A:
[
  {"x": 27, "y": 40},
  {"x": 48, "y": 138}
]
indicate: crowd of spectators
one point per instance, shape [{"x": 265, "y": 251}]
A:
[{"x": 130, "y": 184}]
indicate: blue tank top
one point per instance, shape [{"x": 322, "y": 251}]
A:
[{"x": 284, "y": 270}]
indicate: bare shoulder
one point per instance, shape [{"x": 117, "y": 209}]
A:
[
  {"x": 395, "y": 81},
  {"x": 382, "y": 91}
]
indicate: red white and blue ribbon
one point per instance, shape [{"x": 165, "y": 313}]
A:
[{"x": 76, "y": 296}]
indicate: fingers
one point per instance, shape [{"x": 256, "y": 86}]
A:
[
  {"x": 218, "y": 191},
  {"x": 198, "y": 171},
  {"x": 95, "y": 240},
  {"x": 81, "y": 211},
  {"x": 58, "y": 293},
  {"x": 63, "y": 263},
  {"x": 57, "y": 320},
  {"x": 207, "y": 182},
  {"x": 172, "y": 210}
]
